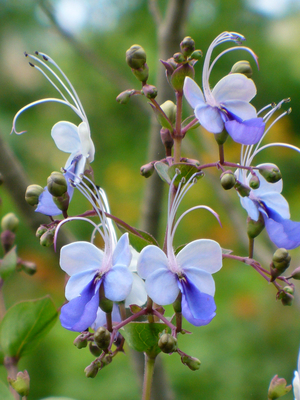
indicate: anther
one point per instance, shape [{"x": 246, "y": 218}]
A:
[
  {"x": 289, "y": 111},
  {"x": 36, "y": 52},
  {"x": 25, "y": 54},
  {"x": 287, "y": 100},
  {"x": 32, "y": 65}
]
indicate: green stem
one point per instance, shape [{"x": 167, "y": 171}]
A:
[
  {"x": 148, "y": 377},
  {"x": 177, "y": 150},
  {"x": 251, "y": 248}
]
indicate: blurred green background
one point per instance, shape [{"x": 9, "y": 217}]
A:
[{"x": 253, "y": 337}]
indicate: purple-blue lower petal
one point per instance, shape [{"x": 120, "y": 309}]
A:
[{"x": 246, "y": 132}]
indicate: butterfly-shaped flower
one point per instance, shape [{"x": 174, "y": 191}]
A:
[
  {"x": 189, "y": 272},
  {"x": 227, "y": 105}
]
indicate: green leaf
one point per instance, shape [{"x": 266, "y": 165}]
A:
[
  {"x": 5, "y": 393},
  {"x": 8, "y": 263},
  {"x": 25, "y": 324},
  {"x": 186, "y": 171},
  {"x": 139, "y": 242},
  {"x": 162, "y": 170},
  {"x": 144, "y": 336},
  {"x": 162, "y": 120}
]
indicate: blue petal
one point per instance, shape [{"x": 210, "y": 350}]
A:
[
  {"x": 117, "y": 283},
  {"x": 200, "y": 306},
  {"x": 210, "y": 118},
  {"x": 283, "y": 232},
  {"x": 81, "y": 312},
  {"x": 122, "y": 254},
  {"x": 247, "y": 132},
  {"x": 46, "y": 204},
  {"x": 162, "y": 286},
  {"x": 151, "y": 259}
]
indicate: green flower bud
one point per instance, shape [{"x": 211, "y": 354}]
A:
[
  {"x": 170, "y": 109},
  {"x": 286, "y": 298},
  {"x": 178, "y": 58},
  {"x": 166, "y": 138},
  {"x": 142, "y": 73},
  {"x": 221, "y": 137},
  {"x": 254, "y": 228},
  {"x": 296, "y": 273},
  {"x": 254, "y": 182},
  {"x": 278, "y": 388},
  {"x": 167, "y": 343},
  {"x": 135, "y": 56},
  {"x": 196, "y": 55},
  {"x": 80, "y": 342},
  {"x": 91, "y": 370},
  {"x": 150, "y": 91},
  {"x": 243, "y": 190},
  {"x": 124, "y": 97},
  {"x": 187, "y": 46},
  {"x": 147, "y": 170},
  {"x": 47, "y": 238},
  {"x": 94, "y": 349},
  {"x": 57, "y": 184},
  {"x": 191, "y": 362},
  {"x": 40, "y": 231},
  {"x": 62, "y": 202},
  {"x": 227, "y": 180},
  {"x": 21, "y": 384},
  {"x": 271, "y": 173},
  {"x": 32, "y": 194},
  {"x": 28, "y": 267},
  {"x": 9, "y": 222},
  {"x": 105, "y": 304},
  {"x": 281, "y": 260},
  {"x": 242, "y": 67},
  {"x": 178, "y": 76},
  {"x": 102, "y": 338},
  {"x": 289, "y": 289},
  {"x": 106, "y": 360}
]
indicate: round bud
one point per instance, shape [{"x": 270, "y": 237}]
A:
[
  {"x": 191, "y": 362},
  {"x": 187, "y": 46},
  {"x": 102, "y": 338},
  {"x": 196, "y": 55},
  {"x": 150, "y": 91},
  {"x": 271, "y": 173},
  {"x": 9, "y": 222},
  {"x": 167, "y": 343},
  {"x": 47, "y": 238},
  {"x": 94, "y": 349},
  {"x": 147, "y": 170},
  {"x": 106, "y": 360},
  {"x": 281, "y": 260},
  {"x": 286, "y": 299},
  {"x": 40, "y": 231},
  {"x": 296, "y": 273},
  {"x": 135, "y": 56},
  {"x": 62, "y": 202},
  {"x": 80, "y": 342},
  {"x": 57, "y": 184},
  {"x": 221, "y": 137},
  {"x": 170, "y": 109},
  {"x": 254, "y": 228},
  {"x": 142, "y": 73},
  {"x": 242, "y": 67},
  {"x": 124, "y": 97},
  {"x": 178, "y": 76},
  {"x": 227, "y": 180},
  {"x": 178, "y": 58},
  {"x": 243, "y": 190},
  {"x": 91, "y": 370},
  {"x": 166, "y": 138},
  {"x": 32, "y": 194},
  {"x": 254, "y": 182},
  {"x": 288, "y": 289}
]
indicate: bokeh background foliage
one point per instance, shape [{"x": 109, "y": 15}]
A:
[{"x": 253, "y": 336}]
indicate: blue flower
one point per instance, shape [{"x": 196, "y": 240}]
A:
[
  {"x": 296, "y": 381},
  {"x": 69, "y": 138},
  {"x": 189, "y": 272},
  {"x": 227, "y": 105}
]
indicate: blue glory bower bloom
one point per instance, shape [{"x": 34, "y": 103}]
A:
[
  {"x": 267, "y": 199},
  {"x": 227, "y": 105},
  {"x": 189, "y": 272},
  {"x": 69, "y": 138}
]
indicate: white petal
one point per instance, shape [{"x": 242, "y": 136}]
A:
[
  {"x": 138, "y": 294},
  {"x": 77, "y": 283},
  {"x": 122, "y": 254},
  {"x": 87, "y": 146},
  {"x": 251, "y": 208},
  {"x": 234, "y": 87},
  {"x": 134, "y": 259},
  {"x": 241, "y": 109},
  {"x": 65, "y": 136},
  {"x": 151, "y": 259},
  {"x": 202, "y": 280},
  {"x": 210, "y": 118},
  {"x": 204, "y": 254},
  {"x": 79, "y": 257},
  {"x": 162, "y": 286},
  {"x": 192, "y": 92}
]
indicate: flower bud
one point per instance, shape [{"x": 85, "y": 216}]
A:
[
  {"x": 281, "y": 260},
  {"x": 28, "y": 267},
  {"x": 278, "y": 388},
  {"x": 178, "y": 58},
  {"x": 254, "y": 182},
  {"x": 7, "y": 240},
  {"x": 286, "y": 298},
  {"x": 254, "y": 228},
  {"x": 80, "y": 342},
  {"x": 105, "y": 304},
  {"x": 47, "y": 238},
  {"x": 191, "y": 362},
  {"x": 271, "y": 173},
  {"x": 166, "y": 138},
  {"x": 147, "y": 170},
  {"x": 167, "y": 343},
  {"x": 187, "y": 46},
  {"x": 142, "y": 73},
  {"x": 196, "y": 55},
  {"x": 243, "y": 190},
  {"x": 91, "y": 370},
  {"x": 227, "y": 180},
  {"x": 124, "y": 97},
  {"x": 94, "y": 349},
  {"x": 242, "y": 67},
  {"x": 40, "y": 231},
  {"x": 32, "y": 194},
  {"x": 57, "y": 184},
  {"x": 178, "y": 76},
  {"x": 62, "y": 202},
  {"x": 221, "y": 137},
  {"x": 170, "y": 109},
  {"x": 296, "y": 273},
  {"x": 106, "y": 360},
  {"x": 21, "y": 384},
  {"x": 135, "y": 56},
  {"x": 150, "y": 91},
  {"x": 102, "y": 338},
  {"x": 9, "y": 222}
]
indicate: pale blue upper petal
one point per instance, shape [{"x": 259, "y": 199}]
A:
[
  {"x": 234, "y": 87},
  {"x": 80, "y": 257},
  {"x": 65, "y": 136},
  {"x": 240, "y": 108},
  {"x": 210, "y": 118},
  {"x": 117, "y": 283},
  {"x": 162, "y": 286},
  {"x": 151, "y": 259},
  {"x": 77, "y": 283},
  {"x": 138, "y": 294},
  {"x": 122, "y": 254},
  {"x": 276, "y": 202},
  {"x": 251, "y": 207},
  {"x": 192, "y": 92},
  {"x": 204, "y": 254},
  {"x": 202, "y": 280}
]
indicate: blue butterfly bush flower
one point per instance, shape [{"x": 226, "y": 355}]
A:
[
  {"x": 227, "y": 105},
  {"x": 69, "y": 138},
  {"x": 189, "y": 272},
  {"x": 267, "y": 199}
]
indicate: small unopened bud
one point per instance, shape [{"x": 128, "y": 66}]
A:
[
  {"x": 167, "y": 343},
  {"x": 136, "y": 56},
  {"x": 124, "y": 97},
  {"x": 62, "y": 202},
  {"x": 191, "y": 362},
  {"x": 40, "y": 231},
  {"x": 179, "y": 75},
  {"x": 243, "y": 190},
  {"x": 80, "y": 342},
  {"x": 147, "y": 170},
  {"x": 296, "y": 273},
  {"x": 281, "y": 260},
  {"x": 242, "y": 67},
  {"x": 196, "y": 55},
  {"x": 271, "y": 173},
  {"x": 28, "y": 267},
  {"x": 178, "y": 58},
  {"x": 286, "y": 298},
  {"x": 254, "y": 228},
  {"x": 57, "y": 184},
  {"x": 7, "y": 240},
  {"x": 221, "y": 137},
  {"x": 150, "y": 91},
  {"x": 32, "y": 194},
  {"x": 47, "y": 238},
  {"x": 254, "y": 182},
  {"x": 102, "y": 338},
  {"x": 278, "y": 388},
  {"x": 106, "y": 360},
  {"x": 227, "y": 180},
  {"x": 166, "y": 138},
  {"x": 187, "y": 46},
  {"x": 9, "y": 222},
  {"x": 105, "y": 304},
  {"x": 94, "y": 349},
  {"x": 170, "y": 109},
  {"x": 21, "y": 384},
  {"x": 91, "y": 370},
  {"x": 142, "y": 73}
]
